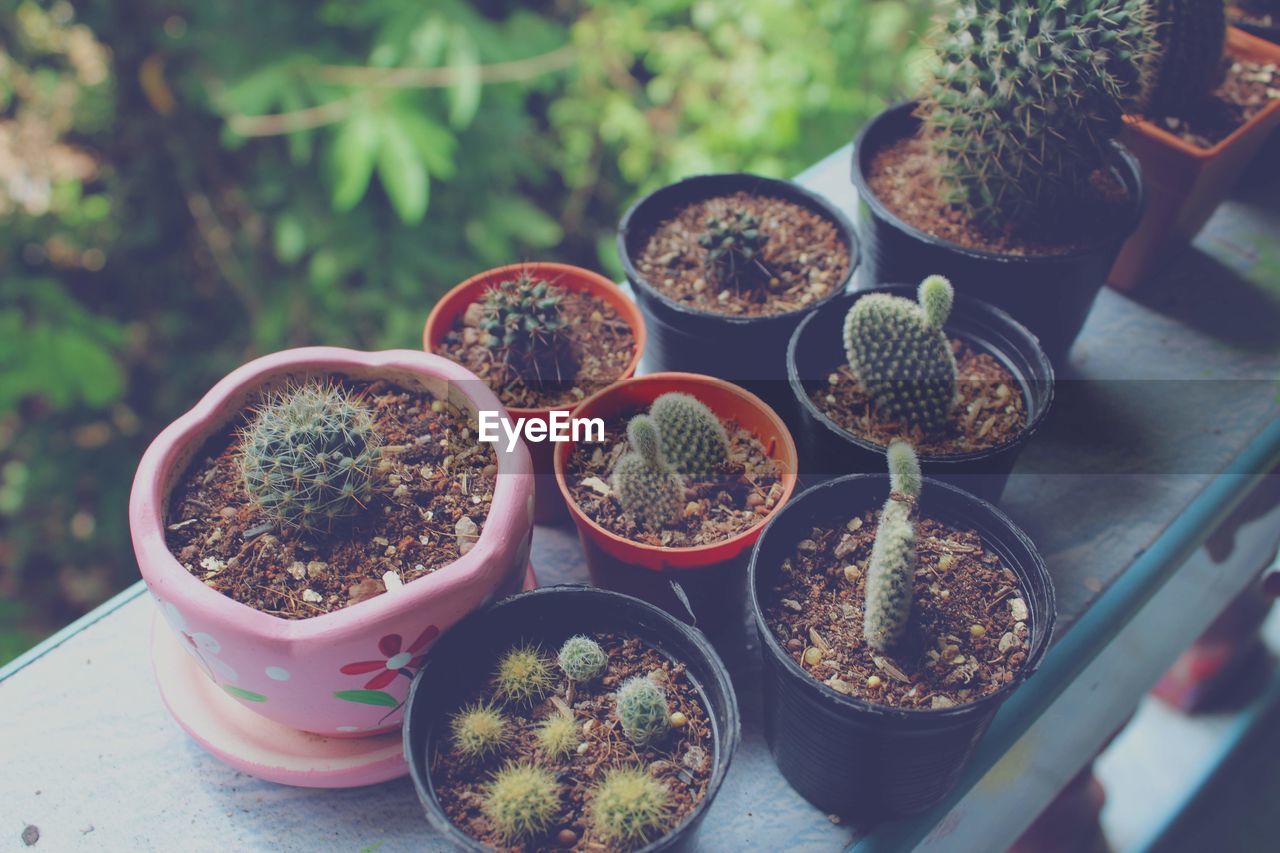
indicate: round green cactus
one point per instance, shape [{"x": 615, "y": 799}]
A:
[
  {"x": 890, "y": 583},
  {"x": 308, "y": 459},
  {"x": 582, "y": 659},
  {"x": 525, "y": 326},
  {"x": 478, "y": 731},
  {"x": 693, "y": 439},
  {"x": 1192, "y": 35},
  {"x": 646, "y": 486},
  {"x": 1026, "y": 96},
  {"x": 628, "y": 806},
  {"x": 734, "y": 243},
  {"x": 642, "y": 709},
  {"x": 901, "y": 356},
  {"x": 522, "y": 801},
  {"x": 524, "y": 675},
  {"x": 558, "y": 735}
]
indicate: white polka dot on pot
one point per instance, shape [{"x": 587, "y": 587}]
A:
[{"x": 277, "y": 673}]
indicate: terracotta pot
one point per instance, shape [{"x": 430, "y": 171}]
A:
[
  {"x": 292, "y": 671},
  {"x": 1269, "y": 31},
  {"x": 711, "y": 577},
  {"x": 1186, "y": 183},
  {"x": 549, "y": 504}
]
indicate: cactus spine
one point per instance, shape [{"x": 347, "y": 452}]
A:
[
  {"x": 522, "y": 801},
  {"x": 734, "y": 243},
  {"x": 642, "y": 709},
  {"x": 646, "y": 486},
  {"x": 1026, "y": 97},
  {"x": 582, "y": 659},
  {"x": 525, "y": 327},
  {"x": 1193, "y": 36},
  {"x": 309, "y": 457},
  {"x": 891, "y": 575},
  {"x": 628, "y": 806},
  {"x": 900, "y": 353},
  {"x": 693, "y": 439}
]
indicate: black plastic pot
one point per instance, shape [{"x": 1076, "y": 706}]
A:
[
  {"x": 828, "y": 450},
  {"x": 460, "y": 660},
  {"x": 745, "y": 350},
  {"x": 1051, "y": 294},
  {"x": 853, "y": 757}
]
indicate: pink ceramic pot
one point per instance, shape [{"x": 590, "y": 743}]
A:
[{"x": 344, "y": 673}]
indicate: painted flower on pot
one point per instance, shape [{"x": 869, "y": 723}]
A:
[{"x": 394, "y": 660}]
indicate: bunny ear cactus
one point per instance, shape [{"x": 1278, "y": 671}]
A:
[
  {"x": 900, "y": 353},
  {"x": 892, "y": 572},
  {"x": 734, "y": 243},
  {"x": 1027, "y": 95},
  {"x": 526, "y": 328},
  {"x": 693, "y": 439},
  {"x": 646, "y": 486},
  {"x": 309, "y": 458},
  {"x": 1192, "y": 35}
]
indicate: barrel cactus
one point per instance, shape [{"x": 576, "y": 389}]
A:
[
  {"x": 642, "y": 710},
  {"x": 1026, "y": 97},
  {"x": 526, "y": 328},
  {"x": 628, "y": 806},
  {"x": 309, "y": 457},
  {"x": 478, "y": 731},
  {"x": 522, "y": 801},
  {"x": 693, "y": 439},
  {"x": 891, "y": 575},
  {"x": 524, "y": 675},
  {"x": 734, "y": 242},
  {"x": 558, "y": 735},
  {"x": 900, "y": 353},
  {"x": 1192, "y": 35},
  {"x": 646, "y": 486},
  {"x": 582, "y": 659}
]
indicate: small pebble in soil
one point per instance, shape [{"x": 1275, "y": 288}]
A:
[
  {"x": 812, "y": 656},
  {"x": 678, "y": 720},
  {"x": 566, "y": 838},
  {"x": 873, "y": 682}
]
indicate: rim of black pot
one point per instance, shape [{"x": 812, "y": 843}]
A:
[
  {"x": 1136, "y": 187},
  {"x": 650, "y": 617},
  {"x": 1000, "y": 315},
  {"x": 842, "y": 702},
  {"x": 656, "y": 206}
]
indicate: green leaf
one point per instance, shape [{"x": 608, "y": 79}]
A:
[
  {"x": 368, "y": 697},
  {"x": 352, "y": 155},
  {"x": 290, "y": 238},
  {"x": 403, "y": 174},
  {"x": 434, "y": 143},
  {"x": 464, "y": 94},
  {"x": 241, "y": 693}
]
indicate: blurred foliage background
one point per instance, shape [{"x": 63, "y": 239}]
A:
[{"x": 187, "y": 184}]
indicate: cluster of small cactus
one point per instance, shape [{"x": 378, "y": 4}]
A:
[
  {"x": 309, "y": 458},
  {"x": 1192, "y": 36},
  {"x": 628, "y": 806},
  {"x": 478, "y": 731},
  {"x": 582, "y": 659},
  {"x": 1027, "y": 96},
  {"x": 900, "y": 353},
  {"x": 734, "y": 243},
  {"x": 645, "y": 483},
  {"x": 693, "y": 439},
  {"x": 523, "y": 320},
  {"x": 524, "y": 675},
  {"x": 891, "y": 574},
  {"x": 522, "y": 801},
  {"x": 642, "y": 710}
]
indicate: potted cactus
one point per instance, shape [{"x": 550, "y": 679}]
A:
[
  {"x": 543, "y": 336},
  {"x": 1005, "y": 174},
  {"x": 963, "y": 381},
  {"x": 1215, "y": 102},
  {"x": 313, "y": 524},
  {"x": 1259, "y": 18},
  {"x": 725, "y": 266},
  {"x": 890, "y": 638},
  {"x": 570, "y": 718},
  {"x": 690, "y": 470}
]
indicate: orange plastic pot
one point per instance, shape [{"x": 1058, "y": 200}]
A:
[
  {"x": 711, "y": 578},
  {"x": 1185, "y": 183},
  {"x": 549, "y": 505}
]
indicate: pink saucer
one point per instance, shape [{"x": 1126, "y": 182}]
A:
[{"x": 261, "y": 747}]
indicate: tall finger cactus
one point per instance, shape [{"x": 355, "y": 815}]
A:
[
  {"x": 693, "y": 439},
  {"x": 1026, "y": 96},
  {"x": 642, "y": 709},
  {"x": 1192, "y": 35},
  {"x": 309, "y": 458},
  {"x": 734, "y": 243},
  {"x": 891, "y": 575},
  {"x": 526, "y": 328},
  {"x": 646, "y": 486},
  {"x": 900, "y": 353}
]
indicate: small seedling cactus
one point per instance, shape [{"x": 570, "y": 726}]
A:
[
  {"x": 628, "y": 806},
  {"x": 522, "y": 801},
  {"x": 478, "y": 731},
  {"x": 1027, "y": 96},
  {"x": 558, "y": 735},
  {"x": 646, "y": 485},
  {"x": 734, "y": 243},
  {"x": 582, "y": 659},
  {"x": 525, "y": 327},
  {"x": 642, "y": 709},
  {"x": 891, "y": 575},
  {"x": 1192, "y": 36},
  {"x": 308, "y": 459},
  {"x": 693, "y": 439},
  {"x": 524, "y": 675},
  {"x": 901, "y": 356}
]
